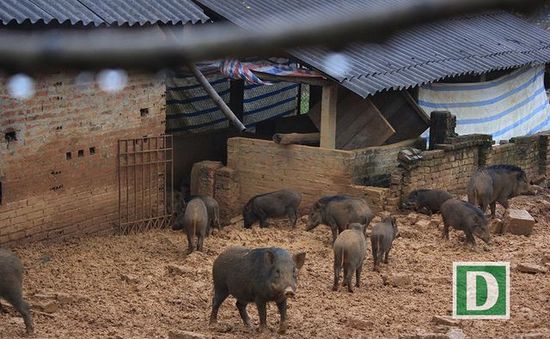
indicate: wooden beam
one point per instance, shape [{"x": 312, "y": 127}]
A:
[
  {"x": 328, "y": 116},
  {"x": 216, "y": 97},
  {"x": 296, "y": 138}
]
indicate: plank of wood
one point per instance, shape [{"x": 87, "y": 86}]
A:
[
  {"x": 403, "y": 113},
  {"x": 297, "y": 138},
  {"x": 358, "y": 124}
]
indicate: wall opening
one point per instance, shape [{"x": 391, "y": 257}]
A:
[
  {"x": 143, "y": 112},
  {"x": 92, "y": 150},
  {"x": 10, "y": 135},
  {"x": 80, "y": 153},
  {"x": 68, "y": 156}
]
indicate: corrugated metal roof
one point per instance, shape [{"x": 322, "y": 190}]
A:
[
  {"x": 419, "y": 55},
  {"x": 101, "y": 12}
]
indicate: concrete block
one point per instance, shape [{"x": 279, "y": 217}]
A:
[{"x": 519, "y": 222}]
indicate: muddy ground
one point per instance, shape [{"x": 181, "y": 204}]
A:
[{"x": 121, "y": 287}]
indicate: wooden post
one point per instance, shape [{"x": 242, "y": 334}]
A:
[{"x": 328, "y": 116}]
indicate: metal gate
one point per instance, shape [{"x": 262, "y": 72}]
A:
[{"x": 145, "y": 177}]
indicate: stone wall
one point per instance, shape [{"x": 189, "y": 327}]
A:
[{"x": 58, "y": 178}]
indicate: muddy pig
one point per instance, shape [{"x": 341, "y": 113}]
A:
[
  {"x": 381, "y": 239},
  {"x": 11, "y": 277},
  {"x": 272, "y": 205},
  {"x": 213, "y": 210},
  {"x": 462, "y": 215},
  {"x": 338, "y": 211},
  {"x": 256, "y": 276},
  {"x": 195, "y": 222},
  {"x": 497, "y": 183},
  {"x": 349, "y": 251},
  {"x": 426, "y": 201}
]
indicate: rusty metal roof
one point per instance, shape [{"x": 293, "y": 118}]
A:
[
  {"x": 419, "y": 55},
  {"x": 101, "y": 12}
]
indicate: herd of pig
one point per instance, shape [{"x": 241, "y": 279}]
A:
[{"x": 264, "y": 275}]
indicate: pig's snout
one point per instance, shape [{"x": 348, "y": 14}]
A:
[{"x": 289, "y": 292}]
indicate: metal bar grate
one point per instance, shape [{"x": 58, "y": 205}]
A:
[{"x": 145, "y": 175}]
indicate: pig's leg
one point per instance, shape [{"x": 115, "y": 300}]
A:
[
  {"x": 263, "y": 219},
  {"x": 241, "y": 306},
  {"x": 292, "y": 217},
  {"x": 334, "y": 230},
  {"x": 217, "y": 300},
  {"x": 262, "y": 311},
  {"x": 358, "y": 276},
  {"x": 504, "y": 203},
  {"x": 445, "y": 231},
  {"x": 337, "y": 269},
  {"x": 386, "y": 256},
  {"x": 282, "y": 311},
  {"x": 470, "y": 238},
  {"x": 23, "y": 308},
  {"x": 493, "y": 209},
  {"x": 348, "y": 273},
  {"x": 190, "y": 246},
  {"x": 200, "y": 242}
]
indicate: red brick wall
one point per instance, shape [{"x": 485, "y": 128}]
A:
[{"x": 45, "y": 195}]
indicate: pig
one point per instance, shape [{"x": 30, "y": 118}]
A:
[
  {"x": 338, "y": 211},
  {"x": 497, "y": 183},
  {"x": 382, "y": 236},
  {"x": 213, "y": 209},
  {"x": 272, "y": 205},
  {"x": 427, "y": 201},
  {"x": 349, "y": 251},
  {"x": 11, "y": 278},
  {"x": 195, "y": 223},
  {"x": 464, "y": 216},
  {"x": 256, "y": 275}
]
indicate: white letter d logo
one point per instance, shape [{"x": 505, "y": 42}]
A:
[{"x": 471, "y": 292}]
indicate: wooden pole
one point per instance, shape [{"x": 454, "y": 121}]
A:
[
  {"x": 216, "y": 97},
  {"x": 328, "y": 117}
]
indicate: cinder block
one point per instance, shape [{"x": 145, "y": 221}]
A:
[{"x": 519, "y": 222}]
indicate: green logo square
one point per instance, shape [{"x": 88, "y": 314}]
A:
[{"x": 481, "y": 290}]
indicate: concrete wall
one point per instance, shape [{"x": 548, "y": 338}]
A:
[{"x": 59, "y": 176}]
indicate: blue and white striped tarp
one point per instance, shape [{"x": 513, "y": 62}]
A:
[
  {"x": 190, "y": 110},
  {"x": 513, "y": 105}
]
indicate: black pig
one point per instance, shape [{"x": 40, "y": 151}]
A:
[
  {"x": 381, "y": 239},
  {"x": 256, "y": 275},
  {"x": 497, "y": 183},
  {"x": 195, "y": 223},
  {"x": 272, "y": 205},
  {"x": 11, "y": 278},
  {"x": 462, "y": 215},
  {"x": 427, "y": 201},
  {"x": 349, "y": 251},
  {"x": 338, "y": 211}
]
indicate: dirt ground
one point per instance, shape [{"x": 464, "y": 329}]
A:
[{"x": 121, "y": 287}]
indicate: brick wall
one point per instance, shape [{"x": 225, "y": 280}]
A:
[
  {"x": 59, "y": 176},
  {"x": 451, "y": 167},
  {"x": 259, "y": 166}
]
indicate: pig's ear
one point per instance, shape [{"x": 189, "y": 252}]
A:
[
  {"x": 299, "y": 259},
  {"x": 269, "y": 257}
]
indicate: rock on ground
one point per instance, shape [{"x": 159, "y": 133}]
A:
[{"x": 531, "y": 268}]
